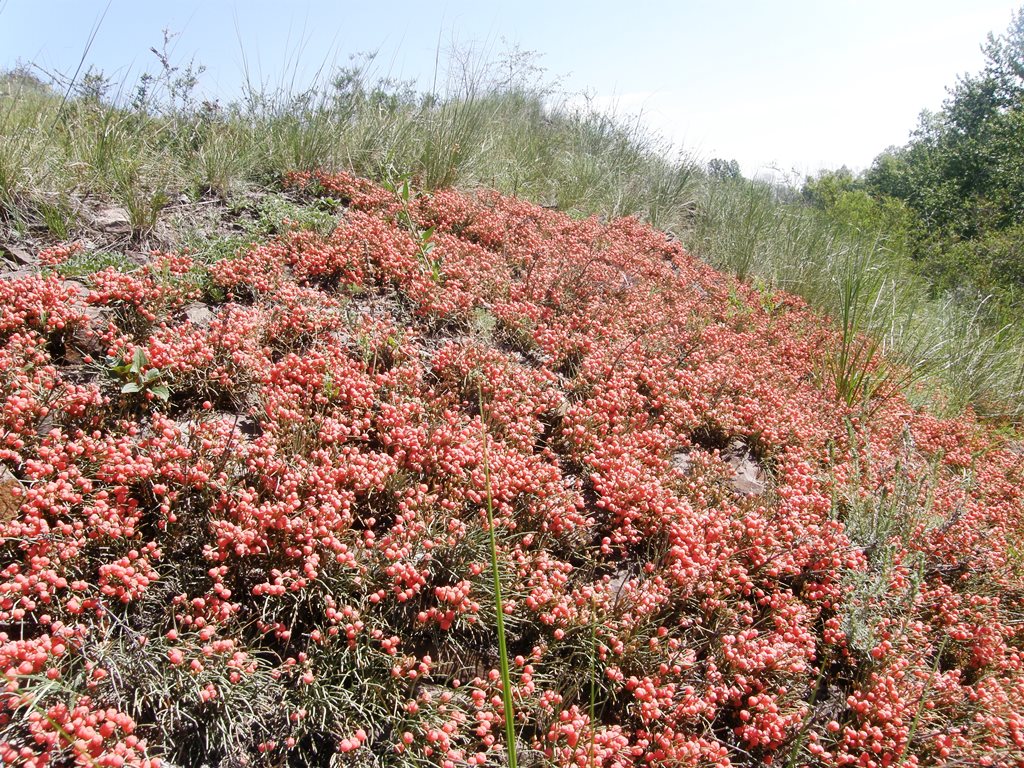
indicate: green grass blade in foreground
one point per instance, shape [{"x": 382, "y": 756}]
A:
[{"x": 506, "y": 684}]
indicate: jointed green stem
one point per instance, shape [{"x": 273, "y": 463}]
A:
[
  {"x": 593, "y": 687},
  {"x": 506, "y": 685}
]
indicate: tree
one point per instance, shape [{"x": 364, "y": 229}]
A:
[
  {"x": 962, "y": 172},
  {"x": 724, "y": 170}
]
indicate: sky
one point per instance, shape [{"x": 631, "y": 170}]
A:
[{"x": 786, "y": 87}]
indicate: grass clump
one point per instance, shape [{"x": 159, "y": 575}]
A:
[{"x": 85, "y": 263}]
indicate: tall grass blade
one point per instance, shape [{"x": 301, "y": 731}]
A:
[{"x": 506, "y": 682}]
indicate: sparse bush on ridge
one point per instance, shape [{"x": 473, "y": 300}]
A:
[{"x": 709, "y": 553}]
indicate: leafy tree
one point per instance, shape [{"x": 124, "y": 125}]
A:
[
  {"x": 724, "y": 170},
  {"x": 822, "y": 191},
  {"x": 843, "y": 197},
  {"x": 962, "y": 173}
]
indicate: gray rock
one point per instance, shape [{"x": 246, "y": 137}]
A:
[
  {"x": 748, "y": 479},
  {"x": 248, "y": 426},
  {"x": 45, "y": 425},
  {"x": 83, "y": 337},
  {"x": 78, "y": 287},
  {"x": 199, "y": 314},
  {"x": 700, "y": 290},
  {"x": 618, "y": 582},
  {"x": 17, "y": 274},
  {"x": 682, "y": 462},
  {"x": 19, "y": 255},
  {"x": 113, "y": 220},
  {"x": 10, "y": 500}
]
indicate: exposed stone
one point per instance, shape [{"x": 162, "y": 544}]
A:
[
  {"x": 248, "y": 426},
  {"x": 88, "y": 338},
  {"x": 15, "y": 274},
  {"x": 199, "y": 314},
  {"x": 19, "y": 255},
  {"x": 84, "y": 338},
  {"x": 618, "y": 582},
  {"x": 113, "y": 220},
  {"x": 530, "y": 758},
  {"x": 748, "y": 479},
  {"x": 78, "y": 287},
  {"x": 700, "y": 290},
  {"x": 682, "y": 462},
  {"x": 244, "y": 424},
  {"x": 45, "y": 425},
  {"x": 10, "y": 500}
]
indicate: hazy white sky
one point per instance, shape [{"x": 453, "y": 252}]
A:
[{"x": 791, "y": 84}]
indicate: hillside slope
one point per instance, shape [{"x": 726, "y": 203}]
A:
[{"x": 247, "y": 509}]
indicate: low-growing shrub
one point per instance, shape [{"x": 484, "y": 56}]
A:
[{"x": 708, "y": 554}]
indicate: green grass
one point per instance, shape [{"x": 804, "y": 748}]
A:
[
  {"x": 502, "y": 126},
  {"x": 89, "y": 262},
  {"x": 506, "y": 680},
  {"x": 948, "y": 352}
]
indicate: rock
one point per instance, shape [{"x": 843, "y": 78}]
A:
[
  {"x": 10, "y": 498},
  {"x": 113, "y": 220},
  {"x": 747, "y": 484},
  {"x": 78, "y": 287},
  {"x": 17, "y": 274},
  {"x": 699, "y": 289},
  {"x": 45, "y": 425},
  {"x": 199, "y": 314},
  {"x": 530, "y": 758},
  {"x": 618, "y": 582},
  {"x": 84, "y": 337},
  {"x": 88, "y": 338},
  {"x": 748, "y": 480},
  {"x": 243, "y": 424},
  {"x": 248, "y": 426},
  {"x": 682, "y": 462},
  {"x": 19, "y": 255}
]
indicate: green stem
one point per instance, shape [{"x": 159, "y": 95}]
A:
[
  {"x": 593, "y": 687},
  {"x": 921, "y": 705},
  {"x": 506, "y": 685}
]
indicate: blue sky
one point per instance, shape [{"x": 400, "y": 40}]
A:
[{"x": 794, "y": 85}]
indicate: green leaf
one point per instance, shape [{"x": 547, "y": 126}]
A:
[
  {"x": 130, "y": 387},
  {"x": 138, "y": 360},
  {"x": 161, "y": 391}
]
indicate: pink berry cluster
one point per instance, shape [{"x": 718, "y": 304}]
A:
[{"x": 291, "y": 548}]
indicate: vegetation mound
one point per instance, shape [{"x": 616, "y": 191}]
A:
[{"x": 247, "y": 500}]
